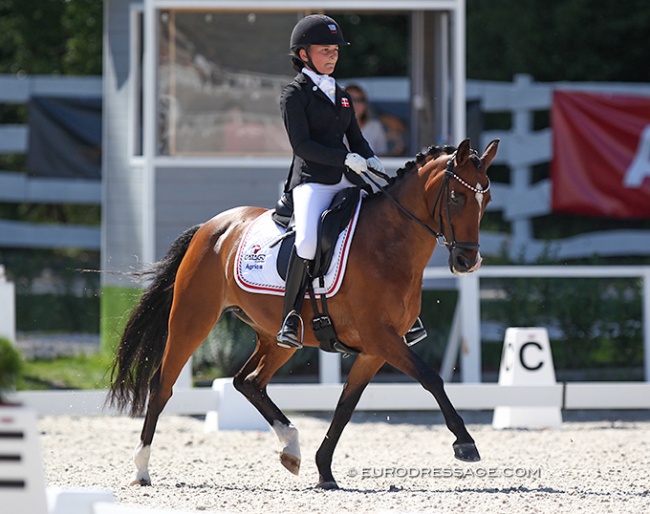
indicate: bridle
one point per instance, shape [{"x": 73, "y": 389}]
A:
[{"x": 444, "y": 189}]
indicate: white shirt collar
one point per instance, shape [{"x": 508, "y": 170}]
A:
[{"x": 325, "y": 83}]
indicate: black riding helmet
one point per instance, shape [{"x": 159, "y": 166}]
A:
[{"x": 314, "y": 29}]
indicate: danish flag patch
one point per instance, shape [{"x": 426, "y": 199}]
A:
[{"x": 345, "y": 102}]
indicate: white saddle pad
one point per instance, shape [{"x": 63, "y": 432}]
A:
[{"x": 255, "y": 265}]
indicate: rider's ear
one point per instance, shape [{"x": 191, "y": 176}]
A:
[{"x": 490, "y": 153}]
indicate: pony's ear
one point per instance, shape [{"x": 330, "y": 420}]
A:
[
  {"x": 490, "y": 153},
  {"x": 463, "y": 152}
]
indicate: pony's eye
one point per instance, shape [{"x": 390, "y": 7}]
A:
[{"x": 453, "y": 197}]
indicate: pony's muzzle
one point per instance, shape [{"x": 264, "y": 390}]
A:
[{"x": 462, "y": 261}]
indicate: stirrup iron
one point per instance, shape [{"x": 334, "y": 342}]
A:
[
  {"x": 416, "y": 333},
  {"x": 288, "y": 337}
]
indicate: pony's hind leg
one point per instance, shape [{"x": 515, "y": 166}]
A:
[
  {"x": 177, "y": 353},
  {"x": 252, "y": 380}
]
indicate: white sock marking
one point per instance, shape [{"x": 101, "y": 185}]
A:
[
  {"x": 288, "y": 436},
  {"x": 141, "y": 459}
]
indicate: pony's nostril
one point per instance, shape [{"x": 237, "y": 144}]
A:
[{"x": 461, "y": 262}]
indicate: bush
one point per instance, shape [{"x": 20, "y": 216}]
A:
[
  {"x": 593, "y": 322},
  {"x": 226, "y": 348},
  {"x": 10, "y": 366}
]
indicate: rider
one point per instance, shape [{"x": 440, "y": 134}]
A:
[{"x": 317, "y": 114}]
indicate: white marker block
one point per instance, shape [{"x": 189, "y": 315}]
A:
[
  {"x": 77, "y": 500},
  {"x": 526, "y": 360},
  {"x": 7, "y": 307},
  {"x": 21, "y": 463},
  {"x": 233, "y": 412}
]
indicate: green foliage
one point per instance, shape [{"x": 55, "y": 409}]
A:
[
  {"x": 10, "y": 366},
  {"x": 116, "y": 306},
  {"x": 580, "y": 40},
  {"x": 71, "y": 301},
  {"x": 63, "y": 313},
  {"x": 231, "y": 343},
  {"x": 599, "y": 319},
  {"x": 378, "y": 45},
  {"x": 51, "y": 37},
  {"x": 73, "y": 372},
  {"x": 226, "y": 348},
  {"x": 52, "y": 213}
]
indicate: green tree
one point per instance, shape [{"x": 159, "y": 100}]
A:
[
  {"x": 378, "y": 45},
  {"x": 51, "y": 37},
  {"x": 553, "y": 40}
]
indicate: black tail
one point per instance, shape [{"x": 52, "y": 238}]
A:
[{"x": 145, "y": 335}]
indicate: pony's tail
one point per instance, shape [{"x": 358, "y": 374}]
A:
[{"x": 145, "y": 335}]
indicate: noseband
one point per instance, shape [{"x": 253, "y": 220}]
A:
[{"x": 444, "y": 189}]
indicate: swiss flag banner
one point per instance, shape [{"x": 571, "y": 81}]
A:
[{"x": 601, "y": 154}]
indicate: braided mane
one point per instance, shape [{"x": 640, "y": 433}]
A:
[{"x": 430, "y": 154}]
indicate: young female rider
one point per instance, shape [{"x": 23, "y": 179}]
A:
[{"x": 317, "y": 114}]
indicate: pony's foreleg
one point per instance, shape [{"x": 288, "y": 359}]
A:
[
  {"x": 361, "y": 373},
  {"x": 252, "y": 380},
  {"x": 403, "y": 358}
]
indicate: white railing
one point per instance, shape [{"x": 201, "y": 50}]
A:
[
  {"x": 376, "y": 397},
  {"x": 467, "y": 323},
  {"x": 521, "y": 148},
  {"x": 520, "y": 201},
  {"x": 17, "y": 187}
]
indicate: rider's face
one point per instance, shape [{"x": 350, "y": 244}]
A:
[{"x": 324, "y": 58}]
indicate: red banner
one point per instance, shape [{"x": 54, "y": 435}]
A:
[{"x": 601, "y": 155}]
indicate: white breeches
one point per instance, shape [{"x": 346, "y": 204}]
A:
[{"x": 309, "y": 201}]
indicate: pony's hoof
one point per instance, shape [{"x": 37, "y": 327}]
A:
[
  {"x": 291, "y": 462},
  {"x": 328, "y": 485},
  {"x": 141, "y": 481},
  {"x": 466, "y": 452}
]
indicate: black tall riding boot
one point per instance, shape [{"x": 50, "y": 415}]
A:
[{"x": 290, "y": 335}]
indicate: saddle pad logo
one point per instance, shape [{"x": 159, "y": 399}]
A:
[{"x": 255, "y": 265}]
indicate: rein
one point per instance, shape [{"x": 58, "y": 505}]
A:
[{"x": 440, "y": 236}]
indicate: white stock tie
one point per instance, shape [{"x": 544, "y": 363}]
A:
[{"x": 328, "y": 86}]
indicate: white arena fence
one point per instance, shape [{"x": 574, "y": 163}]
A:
[
  {"x": 522, "y": 147},
  {"x": 377, "y": 397},
  {"x": 469, "y": 395},
  {"x": 466, "y": 327}
]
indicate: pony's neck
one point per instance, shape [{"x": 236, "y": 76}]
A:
[{"x": 418, "y": 243}]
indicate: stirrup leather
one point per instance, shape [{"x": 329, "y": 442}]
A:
[{"x": 288, "y": 337}]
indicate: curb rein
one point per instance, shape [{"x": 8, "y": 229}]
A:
[{"x": 440, "y": 236}]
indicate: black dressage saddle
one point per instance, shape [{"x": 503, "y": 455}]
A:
[{"x": 333, "y": 221}]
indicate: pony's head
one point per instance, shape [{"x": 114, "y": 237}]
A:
[{"x": 459, "y": 194}]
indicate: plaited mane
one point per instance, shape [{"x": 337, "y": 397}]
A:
[{"x": 430, "y": 154}]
